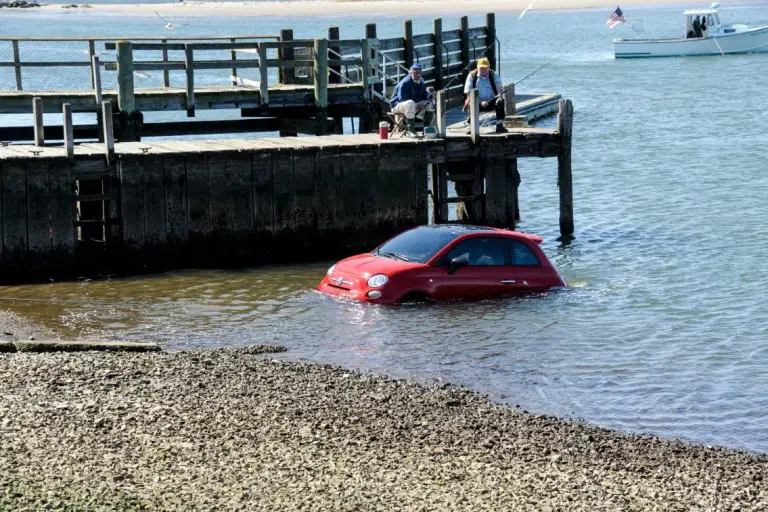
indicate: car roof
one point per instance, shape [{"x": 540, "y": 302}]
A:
[{"x": 462, "y": 230}]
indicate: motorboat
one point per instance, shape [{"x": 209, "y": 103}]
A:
[{"x": 704, "y": 34}]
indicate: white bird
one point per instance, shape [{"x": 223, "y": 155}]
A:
[
  {"x": 527, "y": 9},
  {"x": 169, "y": 25}
]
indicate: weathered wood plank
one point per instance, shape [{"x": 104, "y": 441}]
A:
[
  {"x": 37, "y": 112},
  {"x": 154, "y": 204},
  {"x": 231, "y": 193},
  {"x": 132, "y": 203},
  {"x": 283, "y": 192},
  {"x": 175, "y": 185},
  {"x": 198, "y": 201},
  {"x": 328, "y": 189},
  {"x": 62, "y": 215},
  {"x": 263, "y": 204},
  {"x": 304, "y": 187},
  {"x": 38, "y": 214},
  {"x": 14, "y": 203}
]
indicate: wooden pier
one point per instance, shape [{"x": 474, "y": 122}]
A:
[{"x": 110, "y": 197}]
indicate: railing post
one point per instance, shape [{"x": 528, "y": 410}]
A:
[
  {"x": 109, "y": 136},
  {"x": 490, "y": 39},
  {"x": 408, "y": 43},
  {"x": 189, "y": 66},
  {"x": 233, "y": 54},
  {"x": 37, "y": 112},
  {"x": 17, "y": 64},
  {"x": 286, "y": 75},
  {"x": 69, "y": 132},
  {"x": 365, "y": 54},
  {"x": 96, "y": 78},
  {"x": 564, "y": 176},
  {"x": 91, "y": 54},
  {"x": 125, "y": 98},
  {"x": 166, "y": 73},
  {"x": 333, "y": 35},
  {"x": 321, "y": 85},
  {"x": 465, "y": 57},
  {"x": 441, "y": 109},
  {"x": 264, "y": 77},
  {"x": 474, "y": 115},
  {"x": 437, "y": 31}
]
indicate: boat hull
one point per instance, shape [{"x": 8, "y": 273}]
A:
[{"x": 752, "y": 41}]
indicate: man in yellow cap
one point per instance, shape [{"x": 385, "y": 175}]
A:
[{"x": 489, "y": 85}]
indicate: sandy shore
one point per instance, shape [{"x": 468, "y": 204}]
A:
[
  {"x": 234, "y": 430},
  {"x": 351, "y": 7}
]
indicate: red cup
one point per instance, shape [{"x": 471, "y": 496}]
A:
[{"x": 384, "y": 130}]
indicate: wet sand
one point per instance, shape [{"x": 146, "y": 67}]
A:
[
  {"x": 356, "y": 7},
  {"x": 233, "y": 429}
]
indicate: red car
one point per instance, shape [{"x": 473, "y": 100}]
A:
[{"x": 442, "y": 263}]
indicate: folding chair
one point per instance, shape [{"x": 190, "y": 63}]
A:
[{"x": 397, "y": 123}]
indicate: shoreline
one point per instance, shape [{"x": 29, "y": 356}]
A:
[
  {"x": 229, "y": 428},
  {"x": 354, "y": 7}
]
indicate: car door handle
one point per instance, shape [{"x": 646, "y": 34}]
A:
[{"x": 508, "y": 281}]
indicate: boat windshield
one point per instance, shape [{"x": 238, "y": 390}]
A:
[{"x": 418, "y": 245}]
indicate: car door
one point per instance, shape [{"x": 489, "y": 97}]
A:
[
  {"x": 487, "y": 257},
  {"x": 526, "y": 268}
]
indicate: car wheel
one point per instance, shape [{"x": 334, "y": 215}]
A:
[{"x": 416, "y": 298}]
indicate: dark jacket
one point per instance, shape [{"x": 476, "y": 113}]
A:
[{"x": 407, "y": 89}]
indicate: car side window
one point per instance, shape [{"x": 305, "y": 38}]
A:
[
  {"x": 522, "y": 255},
  {"x": 480, "y": 252}
]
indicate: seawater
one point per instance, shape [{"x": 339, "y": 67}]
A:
[{"x": 664, "y": 329}]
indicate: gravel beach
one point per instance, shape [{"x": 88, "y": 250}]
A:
[{"x": 233, "y": 429}]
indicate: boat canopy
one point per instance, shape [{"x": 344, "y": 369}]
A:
[{"x": 699, "y": 12}]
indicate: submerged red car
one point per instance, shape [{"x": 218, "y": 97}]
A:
[{"x": 444, "y": 263}]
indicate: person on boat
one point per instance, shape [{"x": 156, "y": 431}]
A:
[
  {"x": 697, "y": 27},
  {"x": 488, "y": 84},
  {"x": 703, "y": 26},
  {"x": 411, "y": 97}
]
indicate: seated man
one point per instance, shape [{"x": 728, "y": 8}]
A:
[
  {"x": 411, "y": 96},
  {"x": 489, "y": 85}
]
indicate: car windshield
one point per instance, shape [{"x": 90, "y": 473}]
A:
[{"x": 417, "y": 245}]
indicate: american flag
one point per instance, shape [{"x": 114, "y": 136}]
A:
[{"x": 616, "y": 18}]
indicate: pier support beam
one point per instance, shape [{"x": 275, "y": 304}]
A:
[
  {"x": 320, "y": 71},
  {"x": 564, "y": 176},
  {"x": 130, "y": 120}
]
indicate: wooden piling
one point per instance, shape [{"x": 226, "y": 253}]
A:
[
  {"x": 17, "y": 65},
  {"x": 109, "y": 136},
  {"x": 335, "y": 50},
  {"x": 408, "y": 43},
  {"x": 69, "y": 136},
  {"x": 286, "y": 75},
  {"x": 321, "y": 85},
  {"x": 125, "y": 89},
  {"x": 510, "y": 109},
  {"x": 437, "y": 33},
  {"x": 263, "y": 78},
  {"x": 465, "y": 57},
  {"x": 189, "y": 66},
  {"x": 91, "y": 55},
  {"x": 166, "y": 73},
  {"x": 490, "y": 39},
  {"x": 564, "y": 177},
  {"x": 474, "y": 115},
  {"x": 37, "y": 112},
  {"x": 441, "y": 108},
  {"x": 370, "y": 31},
  {"x": 96, "y": 77}
]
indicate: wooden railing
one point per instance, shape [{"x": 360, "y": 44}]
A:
[{"x": 73, "y": 55}]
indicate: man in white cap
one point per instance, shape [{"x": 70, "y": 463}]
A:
[
  {"x": 411, "y": 97},
  {"x": 489, "y": 85}
]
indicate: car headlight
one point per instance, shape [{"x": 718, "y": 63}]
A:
[
  {"x": 330, "y": 270},
  {"x": 377, "y": 281}
]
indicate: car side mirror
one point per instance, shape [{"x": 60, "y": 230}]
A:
[{"x": 458, "y": 262}]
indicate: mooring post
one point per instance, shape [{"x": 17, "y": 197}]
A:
[
  {"x": 286, "y": 75},
  {"x": 69, "y": 132},
  {"x": 510, "y": 109},
  {"x": 465, "y": 57},
  {"x": 321, "y": 85},
  {"x": 441, "y": 107},
  {"x": 189, "y": 67},
  {"x": 474, "y": 116},
  {"x": 408, "y": 43},
  {"x": 334, "y": 50},
  {"x": 130, "y": 118},
  {"x": 437, "y": 32},
  {"x": 37, "y": 111},
  {"x": 109, "y": 137},
  {"x": 490, "y": 39},
  {"x": 564, "y": 177}
]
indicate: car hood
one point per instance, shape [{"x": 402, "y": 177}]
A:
[{"x": 369, "y": 264}]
